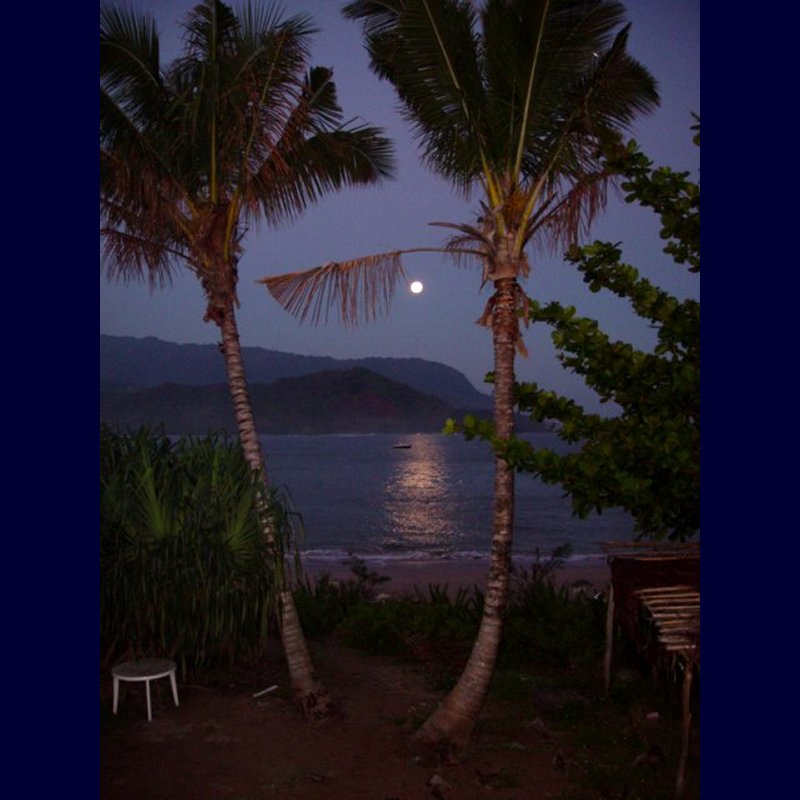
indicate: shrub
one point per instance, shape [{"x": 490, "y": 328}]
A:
[
  {"x": 549, "y": 624},
  {"x": 323, "y": 603},
  {"x": 545, "y": 623},
  {"x": 415, "y": 624},
  {"x": 183, "y": 568}
]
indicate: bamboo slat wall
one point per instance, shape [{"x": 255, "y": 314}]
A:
[
  {"x": 636, "y": 567},
  {"x": 655, "y": 597}
]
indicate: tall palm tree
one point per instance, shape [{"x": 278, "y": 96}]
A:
[
  {"x": 515, "y": 100},
  {"x": 236, "y": 130}
]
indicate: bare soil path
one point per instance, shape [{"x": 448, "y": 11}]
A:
[{"x": 224, "y": 744}]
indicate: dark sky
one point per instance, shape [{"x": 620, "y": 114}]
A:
[{"x": 439, "y": 324}]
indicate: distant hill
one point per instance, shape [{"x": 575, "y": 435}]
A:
[
  {"x": 335, "y": 401},
  {"x": 131, "y": 363}
]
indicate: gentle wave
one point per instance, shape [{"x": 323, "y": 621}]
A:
[{"x": 381, "y": 559}]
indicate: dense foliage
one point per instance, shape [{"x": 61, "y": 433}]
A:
[
  {"x": 647, "y": 458},
  {"x": 183, "y": 570},
  {"x": 547, "y": 623}
]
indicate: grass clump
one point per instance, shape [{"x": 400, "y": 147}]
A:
[
  {"x": 184, "y": 572},
  {"x": 404, "y": 626},
  {"x": 548, "y": 623},
  {"x": 324, "y": 603}
]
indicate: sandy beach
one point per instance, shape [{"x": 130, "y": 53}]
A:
[{"x": 454, "y": 573}]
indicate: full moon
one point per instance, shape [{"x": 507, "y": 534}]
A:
[{"x": 416, "y": 287}]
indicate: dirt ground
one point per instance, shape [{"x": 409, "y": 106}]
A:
[{"x": 224, "y": 744}]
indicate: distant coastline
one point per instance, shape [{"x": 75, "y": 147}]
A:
[
  {"x": 353, "y": 402},
  {"x": 130, "y": 363},
  {"x": 180, "y": 389}
]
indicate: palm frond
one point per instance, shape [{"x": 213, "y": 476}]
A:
[
  {"x": 538, "y": 30},
  {"x": 142, "y": 219},
  {"x": 595, "y": 106},
  {"x": 256, "y": 17},
  {"x": 464, "y": 253},
  {"x": 430, "y": 53},
  {"x": 320, "y": 109},
  {"x": 470, "y": 249},
  {"x": 355, "y": 291},
  {"x": 134, "y": 258},
  {"x": 210, "y": 30},
  {"x": 590, "y": 111},
  {"x": 567, "y": 214},
  {"x": 129, "y": 57},
  {"x": 132, "y": 95},
  {"x": 471, "y": 233},
  {"x": 301, "y": 172},
  {"x": 378, "y": 17},
  {"x": 248, "y": 76}
]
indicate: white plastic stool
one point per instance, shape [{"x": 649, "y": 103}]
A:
[{"x": 145, "y": 669}]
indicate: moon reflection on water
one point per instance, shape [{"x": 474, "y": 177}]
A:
[{"x": 416, "y": 500}]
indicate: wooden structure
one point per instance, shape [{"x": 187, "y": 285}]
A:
[{"x": 655, "y": 599}]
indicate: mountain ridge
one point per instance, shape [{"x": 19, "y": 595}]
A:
[
  {"x": 334, "y": 401},
  {"x": 128, "y": 362}
]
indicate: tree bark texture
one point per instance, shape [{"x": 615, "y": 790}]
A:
[
  {"x": 454, "y": 720},
  {"x": 308, "y": 691}
]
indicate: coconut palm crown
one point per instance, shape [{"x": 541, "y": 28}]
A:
[
  {"x": 237, "y": 130},
  {"x": 516, "y": 101}
]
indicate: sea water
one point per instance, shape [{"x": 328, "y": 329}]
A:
[{"x": 364, "y": 495}]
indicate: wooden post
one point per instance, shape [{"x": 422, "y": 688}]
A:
[
  {"x": 687, "y": 724},
  {"x": 609, "y": 640}
]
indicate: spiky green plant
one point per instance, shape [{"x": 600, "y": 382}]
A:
[{"x": 183, "y": 571}]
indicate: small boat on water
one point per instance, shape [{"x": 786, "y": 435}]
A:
[{"x": 401, "y": 446}]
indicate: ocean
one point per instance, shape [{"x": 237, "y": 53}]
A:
[{"x": 362, "y": 495}]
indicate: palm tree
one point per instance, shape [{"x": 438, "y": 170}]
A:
[
  {"x": 236, "y": 130},
  {"x": 517, "y": 101}
]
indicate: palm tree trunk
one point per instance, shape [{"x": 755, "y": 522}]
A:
[
  {"x": 454, "y": 720},
  {"x": 308, "y": 691}
]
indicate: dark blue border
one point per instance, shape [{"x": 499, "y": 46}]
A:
[
  {"x": 50, "y": 290},
  {"x": 749, "y": 451}
]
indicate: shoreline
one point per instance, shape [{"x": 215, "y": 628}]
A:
[{"x": 454, "y": 573}]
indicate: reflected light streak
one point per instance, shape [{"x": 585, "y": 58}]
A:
[{"x": 417, "y": 501}]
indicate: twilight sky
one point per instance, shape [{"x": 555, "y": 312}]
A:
[{"x": 438, "y": 324}]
